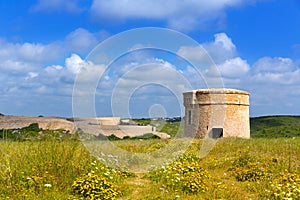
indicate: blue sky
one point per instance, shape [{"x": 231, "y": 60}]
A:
[{"x": 255, "y": 45}]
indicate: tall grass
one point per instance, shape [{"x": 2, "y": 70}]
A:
[
  {"x": 38, "y": 170},
  {"x": 47, "y": 169}
]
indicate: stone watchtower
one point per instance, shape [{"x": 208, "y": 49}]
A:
[{"x": 217, "y": 113}]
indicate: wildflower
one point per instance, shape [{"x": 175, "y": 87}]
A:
[
  {"x": 48, "y": 185},
  {"x": 177, "y": 196}
]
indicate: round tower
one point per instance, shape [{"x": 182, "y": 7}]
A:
[{"x": 217, "y": 113}]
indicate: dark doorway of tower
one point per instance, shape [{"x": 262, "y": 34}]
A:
[{"x": 216, "y": 132}]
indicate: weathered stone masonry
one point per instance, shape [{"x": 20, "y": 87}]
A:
[{"x": 217, "y": 113}]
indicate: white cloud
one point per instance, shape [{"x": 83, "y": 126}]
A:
[
  {"x": 24, "y": 71},
  {"x": 14, "y": 67},
  {"x": 56, "y": 80},
  {"x": 218, "y": 51},
  {"x": 216, "y": 60},
  {"x": 224, "y": 41},
  {"x": 194, "y": 54},
  {"x": 221, "y": 49},
  {"x": 276, "y": 65},
  {"x": 26, "y": 57},
  {"x": 27, "y": 54},
  {"x": 57, "y": 5},
  {"x": 150, "y": 82},
  {"x": 279, "y": 71},
  {"x": 74, "y": 63},
  {"x": 273, "y": 81},
  {"x": 182, "y": 15},
  {"x": 53, "y": 68},
  {"x": 28, "y": 70},
  {"x": 32, "y": 75},
  {"x": 83, "y": 41},
  {"x": 234, "y": 68}
]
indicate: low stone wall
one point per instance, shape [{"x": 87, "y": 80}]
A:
[{"x": 132, "y": 131}]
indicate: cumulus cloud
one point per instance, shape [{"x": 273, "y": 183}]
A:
[
  {"x": 54, "y": 80},
  {"x": 83, "y": 41},
  {"x": 35, "y": 70},
  {"x": 194, "y": 54},
  {"x": 275, "y": 65},
  {"x": 173, "y": 12},
  {"x": 149, "y": 83},
  {"x": 234, "y": 68},
  {"x": 71, "y": 6},
  {"x": 157, "y": 70},
  {"x": 31, "y": 75},
  {"x": 29, "y": 52},
  {"x": 25, "y": 57},
  {"x": 51, "y": 69},
  {"x": 276, "y": 70},
  {"x": 221, "y": 49},
  {"x": 14, "y": 66},
  {"x": 218, "y": 60},
  {"x": 218, "y": 51},
  {"x": 223, "y": 40},
  {"x": 272, "y": 81},
  {"x": 74, "y": 63},
  {"x": 28, "y": 66}
]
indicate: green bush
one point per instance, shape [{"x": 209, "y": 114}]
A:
[
  {"x": 185, "y": 174},
  {"x": 243, "y": 160},
  {"x": 246, "y": 168},
  {"x": 94, "y": 186},
  {"x": 286, "y": 186},
  {"x": 34, "y": 133},
  {"x": 251, "y": 172},
  {"x": 34, "y": 127}
]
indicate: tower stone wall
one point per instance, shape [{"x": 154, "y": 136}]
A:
[{"x": 208, "y": 111}]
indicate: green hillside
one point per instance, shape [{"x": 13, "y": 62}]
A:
[
  {"x": 267, "y": 126},
  {"x": 275, "y": 126}
]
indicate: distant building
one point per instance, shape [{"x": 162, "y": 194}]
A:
[{"x": 217, "y": 113}]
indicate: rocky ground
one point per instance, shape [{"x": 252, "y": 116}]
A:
[{"x": 52, "y": 123}]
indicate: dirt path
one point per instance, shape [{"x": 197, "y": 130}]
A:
[{"x": 138, "y": 183}]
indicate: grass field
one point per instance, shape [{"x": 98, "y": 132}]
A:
[
  {"x": 234, "y": 169},
  {"x": 41, "y": 164},
  {"x": 275, "y": 126}
]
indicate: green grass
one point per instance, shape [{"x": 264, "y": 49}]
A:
[
  {"x": 275, "y": 126},
  {"x": 27, "y": 167},
  {"x": 43, "y": 164},
  {"x": 172, "y": 128}
]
